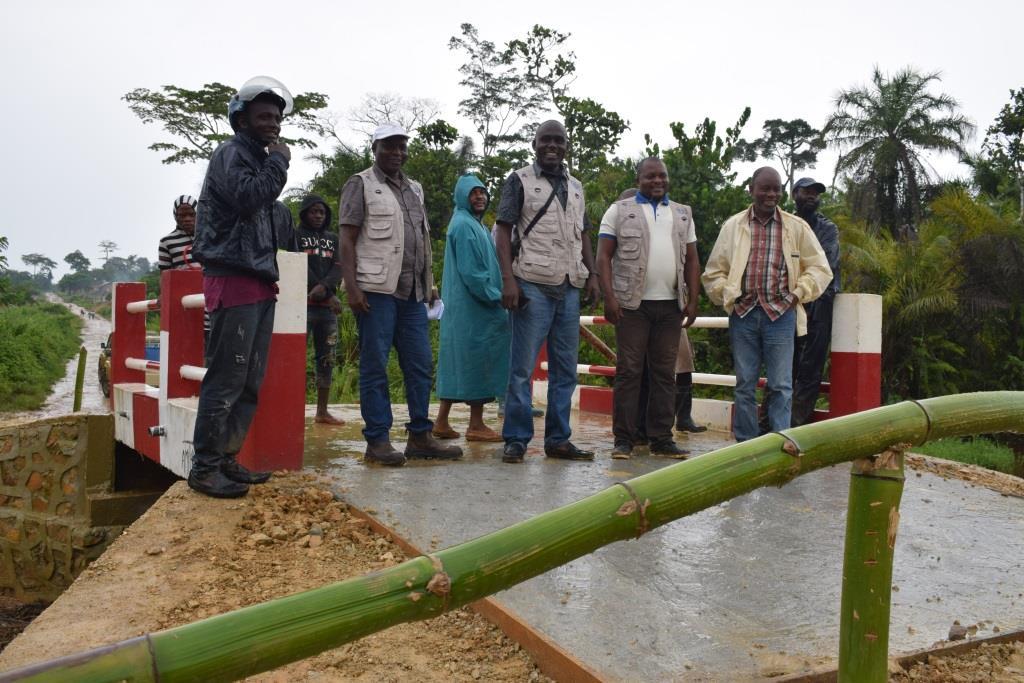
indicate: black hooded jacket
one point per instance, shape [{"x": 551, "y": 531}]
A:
[
  {"x": 235, "y": 232},
  {"x": 321, "y": 249}
]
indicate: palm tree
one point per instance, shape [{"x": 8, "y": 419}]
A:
[{"x": 884, "y": 129}]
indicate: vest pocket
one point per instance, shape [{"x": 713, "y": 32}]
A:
[
  {"x": 628, "y": 249},
  {"x": 620, "y": 283},
  {"x": 371, "y": 271},
  {"x": 536, "y": 264}
]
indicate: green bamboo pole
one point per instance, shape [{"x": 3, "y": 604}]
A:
[
  {"x": 79, "y": 380},
  {"x": 872, "y": 519},
  {"x": 262, "y": 637}
]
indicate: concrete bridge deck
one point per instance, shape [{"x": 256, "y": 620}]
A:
[{"x": 745, "y": 590}]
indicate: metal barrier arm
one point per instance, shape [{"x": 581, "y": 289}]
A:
[{"x": 265, "y": 636}]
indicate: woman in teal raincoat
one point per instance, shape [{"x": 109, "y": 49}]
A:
[{"x": 472, "y": 365}]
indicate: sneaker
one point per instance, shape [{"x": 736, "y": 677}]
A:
[
  {"x": 243, "y": 475},
  {"x": 383, "y": 453},
  {"x": 622, "y": 450},
  {"x": 567, "y": 450},
  {"x": 670, "y": 448},
  {"x": 514, "y": 452},
  {"x": 213, "y": 483}
]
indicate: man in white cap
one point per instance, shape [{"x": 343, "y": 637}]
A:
[{"x": 386, "y": 268}]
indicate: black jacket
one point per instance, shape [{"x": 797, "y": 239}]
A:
[
  {"x": 321, "y": 249},
  {"x": 828, "y": 237},
  {"x": 235, "y": 232}
]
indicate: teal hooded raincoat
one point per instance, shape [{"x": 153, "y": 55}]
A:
[{"x": 472, "y": 363}]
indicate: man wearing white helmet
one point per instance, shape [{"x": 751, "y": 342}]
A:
[{"x": 237, "y": 244}]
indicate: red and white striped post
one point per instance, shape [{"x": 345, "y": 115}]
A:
[
  {"x": 128, "y": 335},
  {"x": 856, "y": 358},
  {"x": 276, "y": 438}
]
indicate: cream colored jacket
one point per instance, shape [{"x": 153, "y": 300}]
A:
[{"x": 806, "y": 264}]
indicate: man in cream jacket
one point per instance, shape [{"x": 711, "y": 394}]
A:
[{"x": 765, "y": 265}]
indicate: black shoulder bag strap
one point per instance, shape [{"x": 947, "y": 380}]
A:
[{"x": 543, "y": 210}]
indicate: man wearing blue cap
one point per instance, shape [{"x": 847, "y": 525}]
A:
[{"x": 811, "y": 350}]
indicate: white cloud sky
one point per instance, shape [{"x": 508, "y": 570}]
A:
[{"x": 80, "y": 171}]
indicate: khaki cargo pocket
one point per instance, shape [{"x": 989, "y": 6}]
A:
[
  {"x": 371, "y": 271},
  {"x": 620, "y": 283},
  {"x": 536, "y": 264}
]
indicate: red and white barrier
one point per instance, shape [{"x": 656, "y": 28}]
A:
[
  {"x": 159, "y": 423},
  {"x": 855, "y": 367}
]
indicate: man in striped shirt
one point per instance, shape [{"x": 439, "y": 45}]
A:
[
  {"x": 765, "y": 265},
  {"x": 176, "y": 248}
]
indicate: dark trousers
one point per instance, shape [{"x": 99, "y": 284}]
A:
[
  {"x": 322, "y": 325},
  {"x": 651, "y": 334},
  {"x": 401, "y": 323},
  {"x": 236, "y": 362},
  {"x": 809, "y": 356}
]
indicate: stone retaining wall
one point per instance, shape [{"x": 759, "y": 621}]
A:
[{"x": 56, "y": 474}]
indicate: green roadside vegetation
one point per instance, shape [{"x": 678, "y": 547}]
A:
[
  {"x": 976, "y": 450},
  {"x": 36, "y": 341}
]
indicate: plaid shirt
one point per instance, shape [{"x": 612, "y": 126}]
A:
[{"x": 765, "y": 280}]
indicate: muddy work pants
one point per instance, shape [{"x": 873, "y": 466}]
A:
[{"x": 236, "y": 362}]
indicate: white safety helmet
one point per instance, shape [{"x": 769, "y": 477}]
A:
[{"x": 258, "y": 85}]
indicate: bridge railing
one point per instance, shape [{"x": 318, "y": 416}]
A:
[
  {"x": 855, "y": 364},
  {"x": 158, "y": 421}
]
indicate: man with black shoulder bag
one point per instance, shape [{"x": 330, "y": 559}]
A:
[{"x": 547, "y": 265}]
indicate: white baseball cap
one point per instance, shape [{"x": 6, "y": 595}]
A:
[{"x": 389, "y": 130}]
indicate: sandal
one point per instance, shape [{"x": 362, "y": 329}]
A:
[
  {"x": 486, "y": 434},
  {"x": 447, "y": 434}
]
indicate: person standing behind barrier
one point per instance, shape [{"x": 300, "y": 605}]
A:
[
  {"x": 323, "y": 273},
  {"x": 541, "y": 286},
  {"x": 386, "y": 268},
  {"x": 811, "y": 351},
  {"x": 765, "y": 265},
  {"x": 175, "y": 249},
  {"x": 647, "y": 257},
  {"x": 472, "y": 366},
  {"x": 237, "y": 244}
]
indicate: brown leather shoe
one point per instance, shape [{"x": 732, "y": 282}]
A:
[
  {"x": 383, "y": 453},
  {"x": 486, "y": 434},
  {"x": 424, "y": 445}
]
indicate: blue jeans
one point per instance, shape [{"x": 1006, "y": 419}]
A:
[
  {"x": 756, "y": 338},
  {"x": 401, "y": 323},
  {"x": 556, "y": 321}
]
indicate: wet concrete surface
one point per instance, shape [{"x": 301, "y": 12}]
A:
[
  {"x": 746, "y": 589},
  {"x": 62, "y": 396}
]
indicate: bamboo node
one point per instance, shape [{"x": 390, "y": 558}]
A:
[
  {"x": 440, "y": 585},
  {"x": 631, "y": 506}
]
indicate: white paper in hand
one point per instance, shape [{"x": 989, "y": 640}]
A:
[{"x": 436, "y": 311}]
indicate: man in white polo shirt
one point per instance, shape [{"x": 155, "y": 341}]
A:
[{"x": 647, "y": 259}]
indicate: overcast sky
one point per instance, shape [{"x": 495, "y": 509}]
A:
[{"x": 78, "y": 169}]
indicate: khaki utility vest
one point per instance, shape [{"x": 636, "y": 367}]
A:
[
  {"x": 380, "y": 245},
  {"x": 633, "y": 246},
  {"x": 554, "y": 248}
]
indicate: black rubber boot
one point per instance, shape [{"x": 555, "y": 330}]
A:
[{"x": 684, "y": 404}]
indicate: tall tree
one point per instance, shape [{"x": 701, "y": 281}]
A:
[
  {"x": 40, "y": 264},
  {"x": 3, "y": 257},
  {"x": 498, "y": 103},
  {"x": 548, "y": 69},
  {"x": 198, "y": 119},
  {"x": 107, "y": 246},
  {"x": 78, "y": 262},
  {"x": 378, "y": 108},
  {"x": 794, "y": 144},
  {"x": 884, "y": 129},
  {"x": 1004, "y": 143}
]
